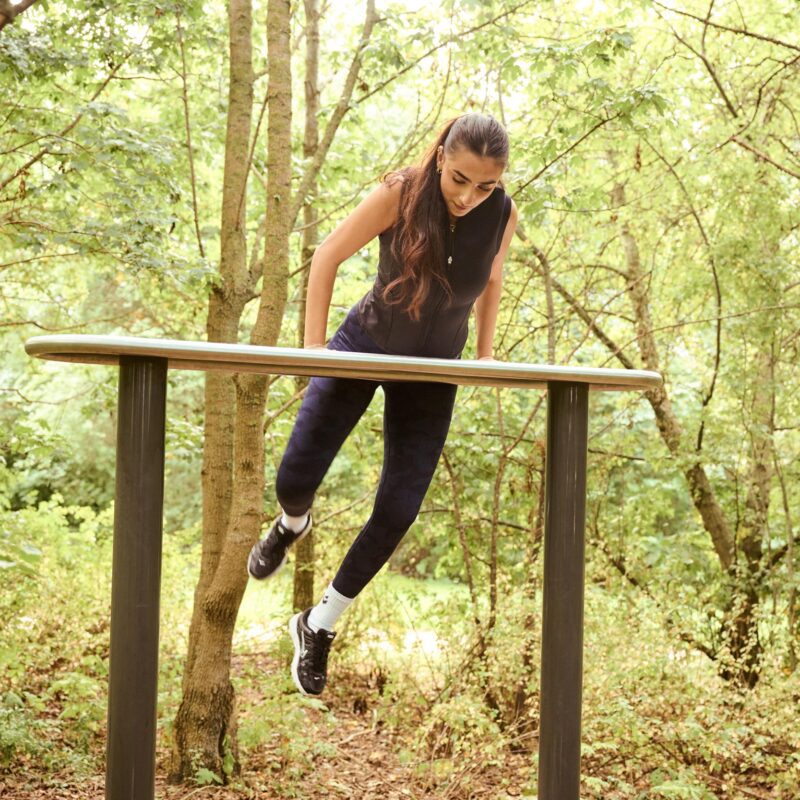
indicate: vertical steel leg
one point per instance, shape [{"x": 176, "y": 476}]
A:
[
  {"x": 562, "y": 625},
  {"x": 136, "y": 580}
]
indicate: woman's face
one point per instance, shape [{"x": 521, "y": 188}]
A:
[{"x": 466, "y": 179}]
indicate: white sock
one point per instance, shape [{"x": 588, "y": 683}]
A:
[
  {"x": 295, "y": 524},
  {"x": 328, "y": 610}
]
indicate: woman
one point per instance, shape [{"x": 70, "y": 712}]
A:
[{"x": 444, "y": 230}]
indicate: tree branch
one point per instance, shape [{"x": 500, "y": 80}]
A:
[
  {"x": 711, "y": 71},
  {"x": 561, "y": 155},
  {"x": 738, "y": 31},
  {"x": 709, "y": 393},
  {"x": 338, "y": 113},
  {"x": 252, "y": 151},
  {"x": 45, "y": 150},
  {"x": 10, "y": 11},
  {"x": 763, "y": 156},
  {"x": 618, "y": 562},
  {"x": 188, "y": 128},
  {"x": 456, "y": 37},
  {"x": 573, "y": 303}
]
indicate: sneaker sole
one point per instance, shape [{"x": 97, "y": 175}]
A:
[
  {"x": 296, "y": 660},
  {"x": 283, "y": 562}
]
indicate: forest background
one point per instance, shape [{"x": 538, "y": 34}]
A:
[{"x": 167, "y": 168}]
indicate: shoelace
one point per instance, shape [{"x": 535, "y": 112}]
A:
[
  {"x": 280, "y": 536},
  {"x": 287, "y": 535},
  {"x": 317, "y": 646},
  {"x": 284, "y": 535}
]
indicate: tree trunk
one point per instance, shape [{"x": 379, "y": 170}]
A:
[
  {"x": 233, "y": 469},
  {"x": 742, "y": 629},
  {"x": 456, "y": 489},
  {"x": 669, "y": 426},
  {"x": 225, "y": 306},
  {"x": 742, "y": 634},
  {"x": 791, "y": 609},
  {"x": 206, "y": 718},
  {"x": 524, "y": 700},
  {"x": 304, "y": 550}
]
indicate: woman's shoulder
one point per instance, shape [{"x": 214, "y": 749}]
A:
[
  {"x": 496, "y": 205},
  {"x": 393, "y": 182},
  {"x": 504, "y": 202},
  {"x": 401, "y": 173},
  {"x": 395, "y": 179},
  {"x": 500, "y": 194}
]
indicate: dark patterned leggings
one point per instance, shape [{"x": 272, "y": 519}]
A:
[{"x": 415, "y": 424}]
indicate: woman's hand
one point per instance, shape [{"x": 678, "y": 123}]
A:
[
  {"x": 314, "y": 347},
  {"x": 487, "y": 358}
]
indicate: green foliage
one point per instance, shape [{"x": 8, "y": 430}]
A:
[
  {"x": 277, "y": 728},
  {"x": 99, "y": 236},
  {"x": 205, "y": 777},
  {"x": 457, "y": 727},
  {"x": 19, "y": 730}
]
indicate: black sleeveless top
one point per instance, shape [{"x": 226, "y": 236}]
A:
[{"x": 442, "y": 329}]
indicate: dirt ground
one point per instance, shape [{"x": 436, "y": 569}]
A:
[{"x": 360, "y": 761}]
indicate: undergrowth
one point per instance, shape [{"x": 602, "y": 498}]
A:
[{"x": 407, "y": 666}]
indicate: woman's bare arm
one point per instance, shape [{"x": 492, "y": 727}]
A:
[
  {"x": 487, "y": 304},
  {"x": 374, "y": 214}
]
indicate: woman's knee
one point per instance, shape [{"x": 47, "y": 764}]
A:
[{"x": 293, "y": 491}]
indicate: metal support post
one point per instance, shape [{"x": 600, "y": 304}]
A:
[
  {"x": 562, "y": 613},
  {"x": 136, "y": 579}
]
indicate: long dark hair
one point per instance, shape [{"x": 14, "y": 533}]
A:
[{"x": 419, "y": 241}]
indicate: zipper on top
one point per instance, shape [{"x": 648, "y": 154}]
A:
[{"x": 452, "y": 242}]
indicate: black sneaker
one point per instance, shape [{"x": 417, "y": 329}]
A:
[
  {"x": 310, "y": 662},
  {"x": 269, "y": 554}
]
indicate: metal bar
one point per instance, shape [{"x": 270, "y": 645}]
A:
[
  {"x": 137, "y": 540},
  {"x": 294, "y": 361},
  {"x": 136, "y": 579},
  {"x": 562, "y": 612}
]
